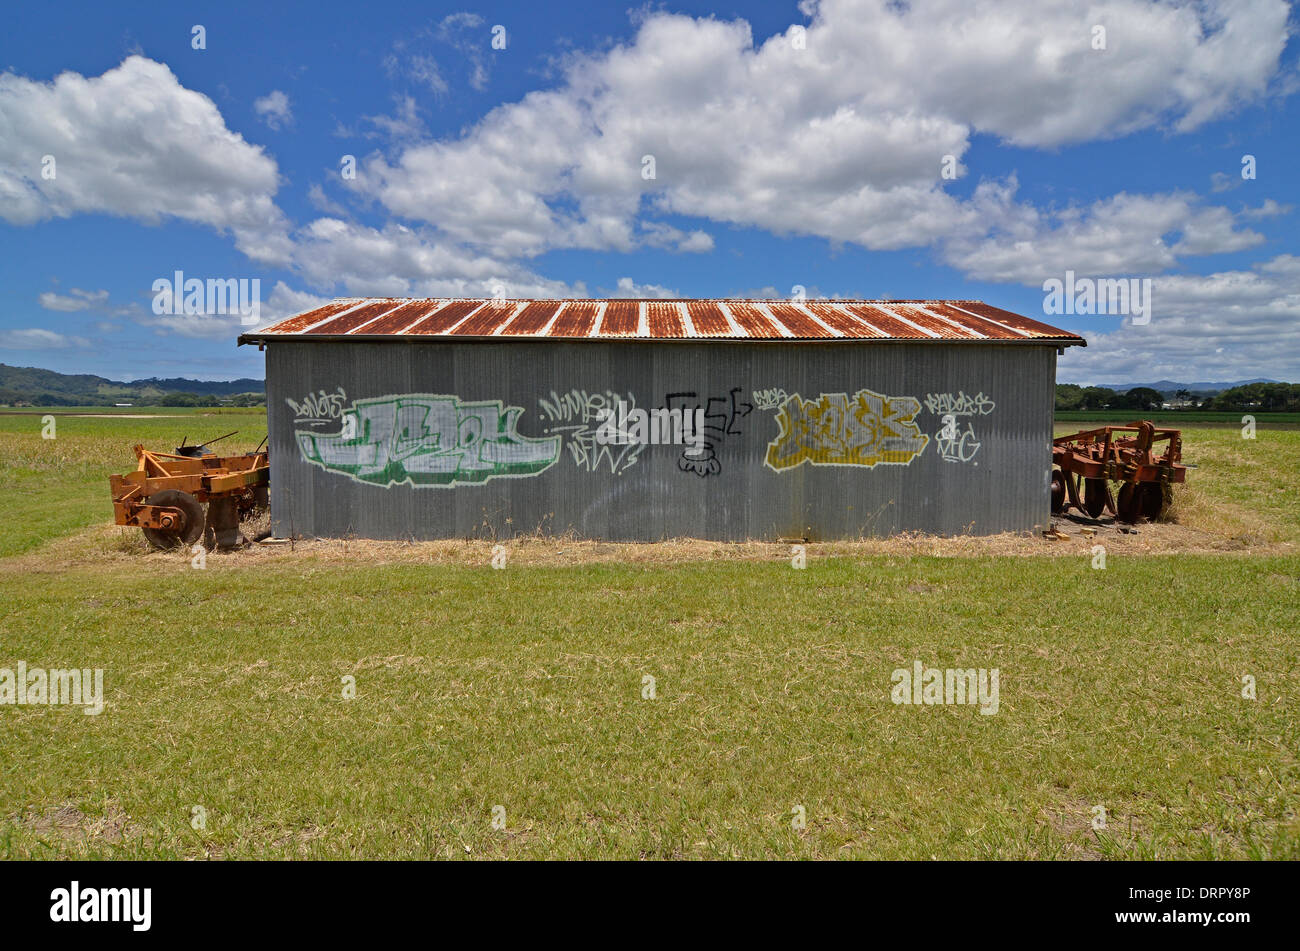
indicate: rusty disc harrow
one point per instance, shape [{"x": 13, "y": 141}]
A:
[{"x": 1144, "y": 460}]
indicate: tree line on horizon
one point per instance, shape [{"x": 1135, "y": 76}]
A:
[{"x": 1251, "y": 397}]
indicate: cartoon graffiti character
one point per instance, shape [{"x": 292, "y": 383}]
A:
[{"x": 702, "y": 461}]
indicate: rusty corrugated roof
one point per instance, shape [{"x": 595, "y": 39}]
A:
[{"x": 826, "y": 320}]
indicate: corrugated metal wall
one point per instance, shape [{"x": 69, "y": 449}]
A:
[{"x": 984, "y": 470}]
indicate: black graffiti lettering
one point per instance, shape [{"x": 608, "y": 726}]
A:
[{"x": 721, "y": 414}]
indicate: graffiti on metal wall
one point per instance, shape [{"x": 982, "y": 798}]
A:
[
  {"x": 606, "y": 430},
  {"x": 953, "y": 442},
  {"x": 318, "y": 408},
  {"x": 577, "y": 416},
  {"x": 771, "y": 398},
  {"x": 428, "y": 440},
  {"x": 722, "y": 415},
  {"x": 959, "y": 404},
  {"x": 440, "y": 441},
  {"x": 866, "y": 429}
]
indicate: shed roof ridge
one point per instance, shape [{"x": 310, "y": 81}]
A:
[{"x": 938, "y": 320}]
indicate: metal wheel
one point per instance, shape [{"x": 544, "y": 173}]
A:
[
  {"x": 1129, "y": 506},
  {"x": 1153, "y": 500},
  {"x": 191, "y": 527},
  {"x": 1058, "y": 491},
  {"x": 1094, "y": 497}
]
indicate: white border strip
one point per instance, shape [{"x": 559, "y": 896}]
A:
[
  {"x": 439, "y": 305},
  {"x": 360, "y": 302},
  {"x": 858, "y": 318},
  {"x": 598, "y": 324},
  {"x": 992, "y": 320},
  {"x": 969, "y": 331},
  {"x": 452, "y": 329},
  {"x": 817, "y": 320},
  {"x": 519, "y": 309},
  {"x": 545, "y": 329},
  {"x": 736, "y": 329},
  {"x": 903, "y": 320},
  {"x": 375, "y": 300},
  {"x": 686, "y": 318},
  {"x": 762, "y": 306}
]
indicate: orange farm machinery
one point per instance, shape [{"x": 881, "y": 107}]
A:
[
  {"x": 1142, "y": 460},
  {"x": 166, "y": 494}
]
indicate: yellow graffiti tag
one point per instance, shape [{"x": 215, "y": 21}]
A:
[{"x": 834, "y": 430}]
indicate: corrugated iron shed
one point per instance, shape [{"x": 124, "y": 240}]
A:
[{"x": 948, "y": 321}]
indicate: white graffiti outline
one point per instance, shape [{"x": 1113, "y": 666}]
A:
[
  {"x": 319, "y": 407},
  {"x": 959, "y": 404},
  {"x": 583, "y": 412}
]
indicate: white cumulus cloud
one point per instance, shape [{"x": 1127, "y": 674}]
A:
[
  {"x": 36, "y": 338},
  {"x": 1230, "y": 325},
  {"x": 75, "y": 300},
  {"x": 837, "y": 130},
  {"x": 274, "y": 109},
  {"x": 136, "y": 144}
]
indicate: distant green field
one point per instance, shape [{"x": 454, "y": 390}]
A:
[
  {"x": 526, "y": 689},
  {"x": 133, "y": 410},
  {"x": 1175, "y": 420}
]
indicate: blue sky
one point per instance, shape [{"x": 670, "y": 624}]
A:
[{"x": 793, "y": 145}]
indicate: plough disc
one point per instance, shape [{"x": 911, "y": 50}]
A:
[
  {"x": 1142, "y": 500},
  {"x": 1094, "y": 497},
  {"x": 1058, "y": 491},
  {"x": 1155, "y": 498},
  {"x": 190, "y": 528}
]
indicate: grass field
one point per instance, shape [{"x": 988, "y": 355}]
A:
[
  {"x": 51, "y": 487},
  {"x": 525, "y": 688},
  {"x": 1180, "y": 419},
  {"x": 128, "y": 412}
]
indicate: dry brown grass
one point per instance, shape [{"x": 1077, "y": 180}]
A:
[
  {"x": 1195, "y": 508},
  {"x": 69, "y": 825},
  {"x": 1214, "y": 529}
]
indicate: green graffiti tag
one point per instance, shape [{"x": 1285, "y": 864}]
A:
[{"x": 428, "y": 440}]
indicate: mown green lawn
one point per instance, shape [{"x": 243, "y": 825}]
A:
[
  {"x": 523, "y": 688},
  {"x": 133, "y": 410}
]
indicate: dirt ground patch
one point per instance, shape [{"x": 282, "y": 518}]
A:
[
  {"x": 106, "y": 545},
  {"x": 68, "y": 824}
]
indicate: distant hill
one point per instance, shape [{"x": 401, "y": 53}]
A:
[
  {"x": 1169, "y": 387},
  {"x": 48, "y": 388}
]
